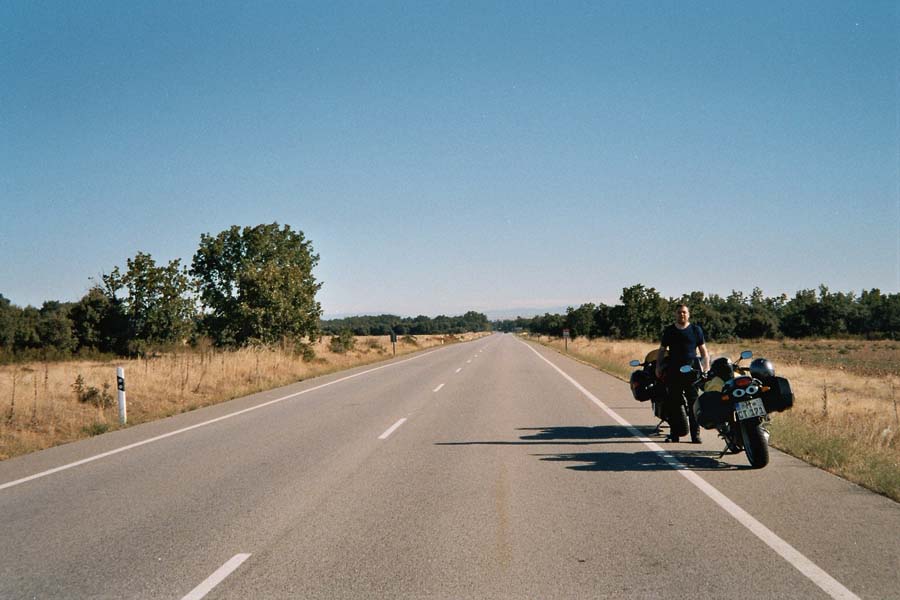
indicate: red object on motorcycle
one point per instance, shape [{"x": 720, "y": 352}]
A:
[{"x": 743, "y": 382}]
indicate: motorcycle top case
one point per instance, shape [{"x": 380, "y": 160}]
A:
[
  {"x": 711, "y": 410},
  {"x": 779, "y": 397}
]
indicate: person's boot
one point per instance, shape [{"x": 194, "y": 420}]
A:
[{"x": 695, "y": 427}]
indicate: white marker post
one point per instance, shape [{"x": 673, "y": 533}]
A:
[{"x": 120, "y": 383}]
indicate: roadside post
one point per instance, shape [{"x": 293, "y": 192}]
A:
[
  {"x": 566, "y": 338},
  {"x": 394, "y": 341},
  {"x": 120, "y": 384}
]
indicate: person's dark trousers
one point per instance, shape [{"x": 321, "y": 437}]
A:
[{"x": 690, "y": 394}]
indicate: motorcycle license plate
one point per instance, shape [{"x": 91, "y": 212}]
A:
[{"x": 749, "y": 409}]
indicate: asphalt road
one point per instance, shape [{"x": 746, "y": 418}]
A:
[{"x": 490, "y": 469}]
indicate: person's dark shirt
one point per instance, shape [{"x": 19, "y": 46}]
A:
[{"x": 682, "y": 344}]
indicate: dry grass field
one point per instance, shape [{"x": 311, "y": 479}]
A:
[
  {"x": 846, "y": 415},
  {"x": 46, "y": 404}
]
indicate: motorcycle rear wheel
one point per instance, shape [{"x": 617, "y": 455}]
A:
[{"x": 756, "y": 443}]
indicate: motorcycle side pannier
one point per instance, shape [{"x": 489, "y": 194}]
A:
[
  {"x": 779, "y": 397},
  {"x": 642, "y": 385},
  {"x": 711, "y": 410}
]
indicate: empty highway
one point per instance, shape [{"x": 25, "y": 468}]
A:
[{"x": 488, "y": 469}]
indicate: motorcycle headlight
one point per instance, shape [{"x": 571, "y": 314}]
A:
[{"x": 738, "y": 393}]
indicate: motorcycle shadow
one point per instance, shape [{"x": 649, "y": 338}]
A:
[{"x": 694, "y": 460}]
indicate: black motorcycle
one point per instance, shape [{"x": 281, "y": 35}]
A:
[
  {"x": 737, "y": 402},
  {"x": 646, "y": 386}
]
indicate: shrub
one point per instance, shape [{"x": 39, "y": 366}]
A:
[
  {"x": 306, "y": 351},
  {"x": 95, "y": 429},
  {"x": 91, "y": 395},
  {"x": 342, "y": 342}
]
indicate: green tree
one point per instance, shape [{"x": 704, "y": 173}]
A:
[
  {"x": 8, "y": 314},
  {"x": 158, "y": 306},
  {"x": 580, "y": 321},
  {"x": 99, "y": 322},
  {"x": 54, "y": 328},
  {"x": 26, "y": 334},
  {"x": 257, "y": 284},
  {"x": 642, "y": 314}
]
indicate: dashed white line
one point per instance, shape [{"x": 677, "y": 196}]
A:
[
  {"x": 438, "y": 388},
  {"x": 157, "y": 438},
  {"x": 469, "y": 361},
  {"x": 813, "y": 572},
  {"x": 459, "y": 369},
  {"x": 216, "y": 578},
  {"x": 392, "y": 429}
]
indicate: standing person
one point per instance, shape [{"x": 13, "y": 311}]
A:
[{"x": 683, "y": 340}]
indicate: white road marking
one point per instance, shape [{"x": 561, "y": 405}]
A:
[
  {"x": 459, "y": 369},
  {"x": 216, "y": 578},
  {"x": 198, "y": 425},
  {"x": 814, "y": 573},
  {"x": 469, "y": 361},
  {"x": 391, "y": 429},
  {"x": 438, "y": 388}
]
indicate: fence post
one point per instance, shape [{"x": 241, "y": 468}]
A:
[{"x": 120, "y": 383}]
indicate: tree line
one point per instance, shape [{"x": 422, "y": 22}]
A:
[
  {"x": 643, "y": 313},
  {"x": 244, "y": 285},
  {"x": 420, "y": 325}
]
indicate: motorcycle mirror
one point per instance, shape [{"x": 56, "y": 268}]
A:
[
  {"x": 686, "y": 369},
  {"x": 635, "y": 363},
  {"x": 746, "y": 354}
]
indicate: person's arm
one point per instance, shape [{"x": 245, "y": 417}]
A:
[{"x": 704, "y": 357}]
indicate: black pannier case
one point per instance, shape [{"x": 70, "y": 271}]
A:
[
  {"x": 779, "y": 397},
  {"x": 712, "y": 410},
  {"x": 642, "y": 385}
]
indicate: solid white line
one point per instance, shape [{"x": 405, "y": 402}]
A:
[
  {"x": 198, "y": 425},
  {"x": 216, "y": 578},
  {"x": 392, "y": 429},
  {"x": 459, "y": 369},
  {"x": 829, "y": 584},
  {"x": 438, "y": 388}
]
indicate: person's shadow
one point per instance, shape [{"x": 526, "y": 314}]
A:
[{"x": 695, "y": 460}]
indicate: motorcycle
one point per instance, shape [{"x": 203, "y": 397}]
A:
[
  {"x": 737, "y": 402},
  {"x": 646, "y": 386}
]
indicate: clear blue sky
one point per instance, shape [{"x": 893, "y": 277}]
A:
[{"x": 446, "y": 156}]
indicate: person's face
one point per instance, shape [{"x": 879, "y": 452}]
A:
[{"x": 682, "y": 315}]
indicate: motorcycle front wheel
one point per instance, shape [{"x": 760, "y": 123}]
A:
[{"x": 756, "y": 443}]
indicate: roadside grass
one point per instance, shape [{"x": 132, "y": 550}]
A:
[
  {"x": 846, "y": 415},
  {"x": 44, "y": 404}
]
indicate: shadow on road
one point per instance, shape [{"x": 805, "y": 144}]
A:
[
  {"x": 695, "y": 460},
  {"x": 577, "y": 436}
]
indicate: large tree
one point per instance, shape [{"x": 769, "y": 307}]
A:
[
  {"x": 99, "y": 322},
  {"x": 257, "y": 285},
  {"x": 158, "y": 306}
]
